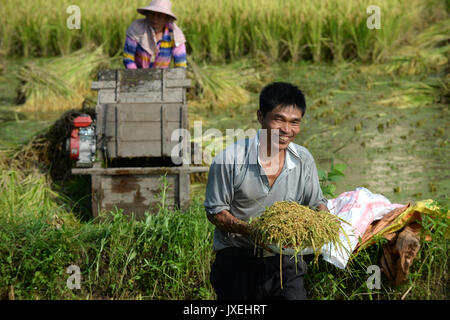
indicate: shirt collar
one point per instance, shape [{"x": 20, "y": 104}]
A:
[{"x": 292, "y": 156}]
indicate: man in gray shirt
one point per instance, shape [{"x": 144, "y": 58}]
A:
[{"x": 246, "y": 178}]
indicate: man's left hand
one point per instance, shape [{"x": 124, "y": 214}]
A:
[{"x": 322, "y": 207}]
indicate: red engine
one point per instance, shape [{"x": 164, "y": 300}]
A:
[
  {"x": 74, "y": 145},
  {"x": 82, "y": 142}
]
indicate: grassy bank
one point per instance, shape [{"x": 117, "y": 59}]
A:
[
  {"x": 165, "y": 256},
  {"x": 224, "y": 30}
]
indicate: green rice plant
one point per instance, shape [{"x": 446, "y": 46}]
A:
[
  {"x": 338, "y": 34},
  {"x": 21, "y": 190},
  {"x": 326, "y": 282},
  {"x": 433, "y": 263},
  {"x": 223, "y": 30},
  {"x": 361, "y": 37},
  {"x": 269, "y": 31},
  {"x": 337, "y": 40},
  {"x": 214, "y": 40},
  {"x": 444, "y": 88},
  {"x": 295, "y": 39},
  {"x": 391, "y": 35},
  {"x": 314, "y": 32},
  {"x": 234, "y": 34}
]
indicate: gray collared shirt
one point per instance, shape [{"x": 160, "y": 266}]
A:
[{"x": 237, "y": 183}]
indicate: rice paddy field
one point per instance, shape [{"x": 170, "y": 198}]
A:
[{"x": 377, "y": 109}]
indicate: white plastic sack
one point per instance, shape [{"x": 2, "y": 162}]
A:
[{"x": 359, "y": 208}]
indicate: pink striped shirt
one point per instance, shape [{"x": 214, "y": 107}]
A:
[{"x": 135, "y": 57}]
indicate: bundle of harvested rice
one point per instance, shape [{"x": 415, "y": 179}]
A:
[
  {"x": 291, "y": 225},
  {"x": 224, "y": 85},
  {"x": 60, "y": 83},
  {"x": 427, "y": 52}
]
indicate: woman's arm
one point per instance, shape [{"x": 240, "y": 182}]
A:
[
  {"x": 179, "y": 56},
  {"x": 129, "y": 53}
]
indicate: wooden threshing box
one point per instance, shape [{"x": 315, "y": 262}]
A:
[
  {"x": 137, "y": 112},
  {"x": 136, "y": 190}
]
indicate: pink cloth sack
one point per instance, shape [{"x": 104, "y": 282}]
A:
[{"x": 359, "y": 208}]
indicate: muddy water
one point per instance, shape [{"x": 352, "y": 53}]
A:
[
  {"x": 392, "y": 139},
  {"x": 404, "y": 162}
]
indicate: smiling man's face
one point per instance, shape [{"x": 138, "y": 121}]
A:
[{"x": 284, "y": 118}]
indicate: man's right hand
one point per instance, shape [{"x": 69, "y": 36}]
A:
[{"x": 226, "y": 222}]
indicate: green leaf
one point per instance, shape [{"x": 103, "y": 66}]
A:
[
  {"x": 333, "y": 176},
  {"x": 340, "y": 167},
  {"x": 322, "y": 174}
]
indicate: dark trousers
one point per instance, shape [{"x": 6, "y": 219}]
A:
[{"x": 237, "y": 274}]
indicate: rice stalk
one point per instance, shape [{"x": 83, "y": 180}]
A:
[
  {"x": 314, "y": 34},
  {"x": 294, "y": 41},
  {"x": 338, "y": 38}
]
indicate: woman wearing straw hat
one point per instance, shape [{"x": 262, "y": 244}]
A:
[{"x": 154, "y": 41}]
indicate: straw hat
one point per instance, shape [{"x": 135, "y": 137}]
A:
[{"x": 162, "y": 6}]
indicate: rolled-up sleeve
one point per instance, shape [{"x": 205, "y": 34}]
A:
[
  {"x": 313, "y": 193},
  {"x": 219, "y": 188}
]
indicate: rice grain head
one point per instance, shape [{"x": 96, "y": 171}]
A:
[{"x": 291, "y": 225}]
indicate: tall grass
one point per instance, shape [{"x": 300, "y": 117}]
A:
[
  {"x": 223, "y": 30},
  {"x": 166, "y": 256}
]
